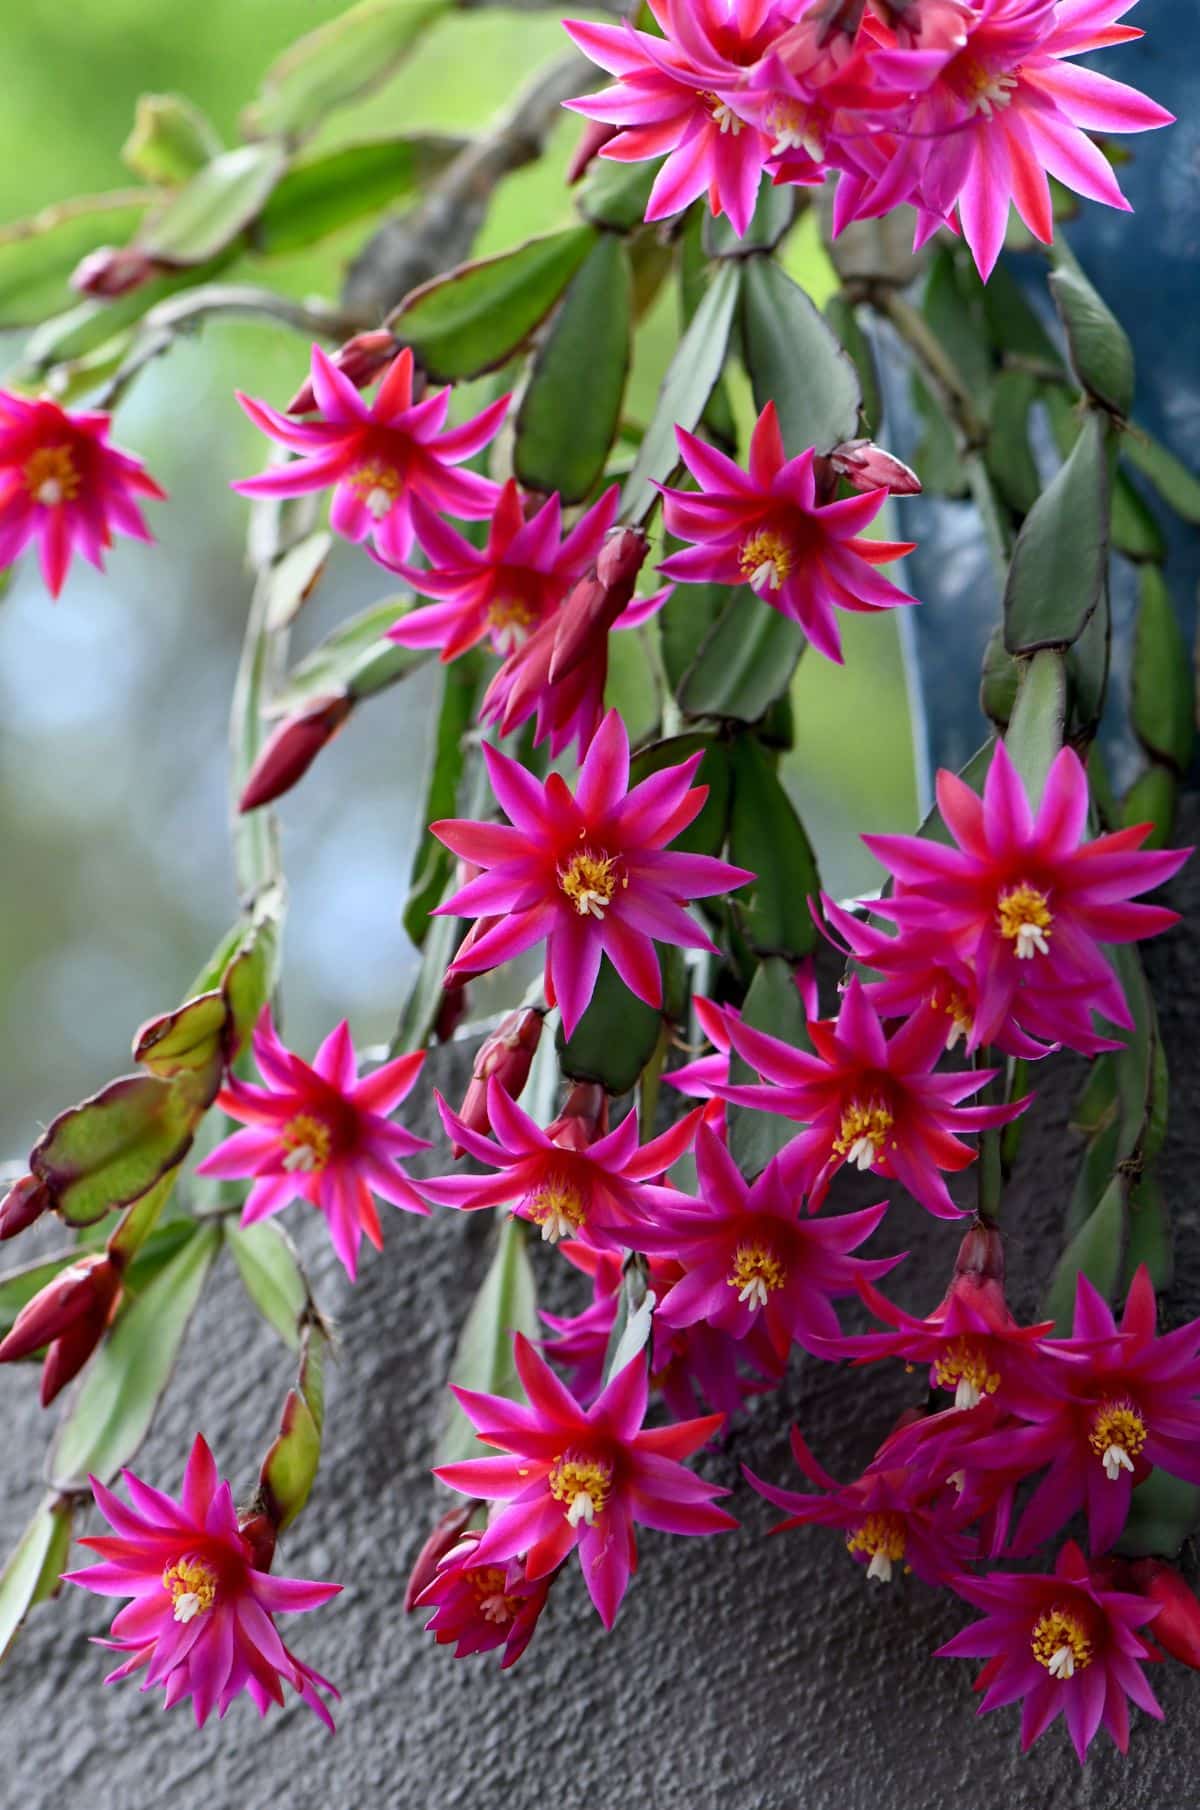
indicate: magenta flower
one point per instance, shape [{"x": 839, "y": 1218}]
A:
[
  {"x": 1024, "y": 900},
  {"x": 575, "y": 1477},
  {"x": 320, "y": 1134},
  {"x": 766, "y": 528},
  {"x": 890, "y": 1516},
  {"x": 589, "y": 874},
  {"x": 869, "y": 1100},
  {"x": 1117, "y": 1402},
  {"x": 996, "y": 113},
  {"x": 507, "y": 589},
  {"x": 678, "y": 95},
  {"x": 1065, "y": 1643},
  {"x": 63, "y": 485},
  {"x": 200, "y": 1621},
  {"x": 747, "y": 1253},
  {"x": 378, "y": 456},
  {"x": 477, "y": 1608},
  {"x": 571, "y": 1189}
]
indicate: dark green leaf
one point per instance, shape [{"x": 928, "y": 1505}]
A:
[
  {"x": 1135, "y": 527},
  {"x": 1149, "y": 1235},
  {"x": 1170, "y": 476},
  {"x": 569, "y": 410},
  {"x": 772, "y": 1005},
  {"x": 795, "y": 361},
  {"x": 433, "y": 864},
  {"x": 773, "y": 214},
  {"x": 614, "y": 1039},
  {"x": 1163, "y": 1511},
  {"x": 843, "y": 318},
  {"x": 1153, "y": 798},
  {"x": 476, "y": 317},
  {"x": 1163, "y": 705},
  {"x": 34, "y": 1565},
  {"x": 111, "y": 1414},
  {"x": 323, "y": 191},
  {"x": 1012, "y": 325},
  {"x": 685, "y": 391},
  {"x": 356, "y": 658},
  {"x": 999, "y": 680},
  {"x": 615, "y": 194},
  {"x": 1009, "y": 459},
  {"x": 745, "y": 662},
  {"x": 1098, "y": 346},
  {"x": 953, "y": 306},
  {"x": 338, "y": 61},
  {"x": 171, "y": 139},
  {"x": 767, "y": 837},
  {"x": 1035, "y": 732},
  {"x": 685, "y": 620},
  {"x": 1060, "y": 561},
  {"x": 111, "y": 1149},
  {"x": 207, "y": 214},
  {"x": 1087, "y": 671},
  {"x": 706, "y": 835},
  {"x": 38, "y": 255},
  {"x": 1095, "y": 1251},
  {"x": 267, "y": 1263},
  {"x": 505, "y": 1304},
  {"x": 937, "y": 458}
]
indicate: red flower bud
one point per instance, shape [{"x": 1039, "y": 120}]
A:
[
  {"x": 582, "y": 625},
  {"x": 451, "y": 1012},
  {"x": 259, "y": 1532},
  {"x": 981, "y": 1254},
  {"x": 69, "y": 1315},
  {"x": 112, "y": 271},
  {"x": 478, "y": 929},
  {"x": 596, "y": 133},
  {"x": 444, "y": 1538},
  {"x": 1176, "y": 1627},
  {"x": 361, "y": 359},
  {"x": 868, "y": 467},
  {"x": 506, "y": 1056},
  {"x": 583, "y": 1119},
  {"x": 292, "y": 748},
  {"x": 25, "y": 1201}
]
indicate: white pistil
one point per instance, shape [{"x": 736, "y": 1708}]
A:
[
  {"x": 967, "y": 1395},
  {"x": 594, "y": 902},
  {"x": 765, "y": 577},
  {"x": 754, "y": 1291},
  {"x": 1116, "y": 1460},
  {"x": 1030, "y": 942},
  {"x": 862, "y": 1153},
  {"x": 379, "y": 502},
  {"x": 1062, "y": 1663},
  {"x": 582, "y": 1509},
  {"x": 959, "y": 1481},
  {"x": 302, "y": 1159},
  {"x": 556, "y": 1225},
  {"x": 494, "y": 1608},
  {"x": 995, "y": 97},
  {"x": 187, "y": 1605},
  {"x": 956, "y": 1031},
  {"x": 50, "y": 493},
  {"x": 726, "y": 119},
  {"x": 880, "y": 1568}
]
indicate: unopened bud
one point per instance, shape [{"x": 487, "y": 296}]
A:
[
  {"x": 583, "y": 1119},
  {"x": 112, "y": 271},
  {"x": 259, "y": 1532},
  {"x": 443, "y": 1539},
  {"x": 868, "y": 467},
  {"x": 361, "y": 359},
  {"x": 292, "y": 748},
  {"x": 596, "y": 134},
  {"x": 505, "y": 1057},
  {"x": 597, "y": 600},
  {"x": 25, "y": 1201},
  {"x": 981, "y": 1254},
  {"x": 1176, "y": 1627},
  {"x": 451, "y": 1012},
  {"x": 462, "y": 961},
  {"x": 69, "y": 1315}
]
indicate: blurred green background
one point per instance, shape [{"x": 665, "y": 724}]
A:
[{"x": 113, "y": 814}]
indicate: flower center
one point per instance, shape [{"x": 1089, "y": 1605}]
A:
[
  {"x": 1117, "y": 1436},
  {"x": 495, "y": 1605},
  {"x": 510, "y": 620},
  {"x": 756, "y": 1273},
  {"x": 558, "y": 1207},
  {"x": 948, "y": 998},
  {"x": 982, "y": 90},
  {"x": 766, "y": 560},
  {"x": 589, "y": 880},
  {"x": 864, "y": 1132},
  {"x": 583, "y": 1485},
  {"x": 1060, "y": 1643},
  {"x": 965, "y": 1368},
  {"x": 794, "y": 128},
  {"x": 51, "y": 477},
  {"x": 723, "y": 116},
  {"x": 1025, "y": 918},
  {"x": 193, "y": 1585},
  {"x": 308, "y": 1143},
  {"x": 884, "y": 1537},
  {"x": 378, "y": 486}
]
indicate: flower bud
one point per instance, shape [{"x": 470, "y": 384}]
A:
[
  {"x": 292, "y": 748},
  {"x": 361, "y": 359},
  {"x": 868, "y": 467},
  {"x": 596, "y": 601},
  {"x": 451, "y": 1012},
  {"x": 69, "y": 1315},
  {"x": 259, "y": 1532},
  {"x": 596, "y": 133},
  {"x": 461, "y": 964},
  {"x": 583, "y": 1119},
  {"x": 112, "y": 271},
  {"x": 981, "y": 1254},
  {"x": 1176, "y": 1627},
  {"x": 505, "y": 1056},
  {"x": 25, "y": 1201},
  {"x": 443, "y": 1539}
]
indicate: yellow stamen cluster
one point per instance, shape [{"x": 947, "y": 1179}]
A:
[
  {"x": 51, "y": 477},
  {"x": 884, "y": 1537},
  {"x": 378, "y": 486},
  {"x": 985, "y": 91},
  {"x": 558, "y": 1207},
  {"x": 1117, "y": 1436},
  {"x": 1061, "y": 1643},
  {"x": 193, "y": 1586},
  {"x": 951, "y": 1000},
  {"x": 495, "y": 1605},
  {"x": 756, "y": 1273},
  {"x": 863, "y": 1132},
  {"x": 308, "y": 1143},
  {"x": 582, "y": 1485},
  {"x": 795, "y": 128},
  {"x": 766, "y": 560},
  {"x": 510, "y": 620},
  {"x": 1024, "y": 916},
  {"x": 965, "y": 1367},
  {"x": 589, "y": 880}
]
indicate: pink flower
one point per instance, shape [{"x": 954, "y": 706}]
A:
[
  {"x": 1065, "y": 1643},
  {"x": 748, "y": 1255},
  {"x": 1118, "y": 1401},
  {"x": 570, "y": 1188},
  {"x": 677, "y": 95},
  {"x": 320, "y": 1134},
  {"x": 993, "y": 115},
  {"x": 1024, "y": 900},
  {"x": 766, "y": 528},
  {"x": 507, "y": 589},
  {"x": 698, "y": 1079},
  {"x": 201, "y": 1616},
  {"x": 588, "y": 874},
  {"x": 379, "y": 456},
  {"x": 479, "y": 1607},
  {"x": 867, "y": 1099},
  {"x": 63, "y": 484},
  {"x": 575, "y": 1477},
  {"x": 891, "y": 1516}
]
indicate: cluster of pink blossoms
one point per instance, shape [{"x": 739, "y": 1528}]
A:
[{"x": 955, "y": 107}]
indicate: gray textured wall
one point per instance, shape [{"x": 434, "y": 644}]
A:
[{"x": 745, "y": 1673}]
